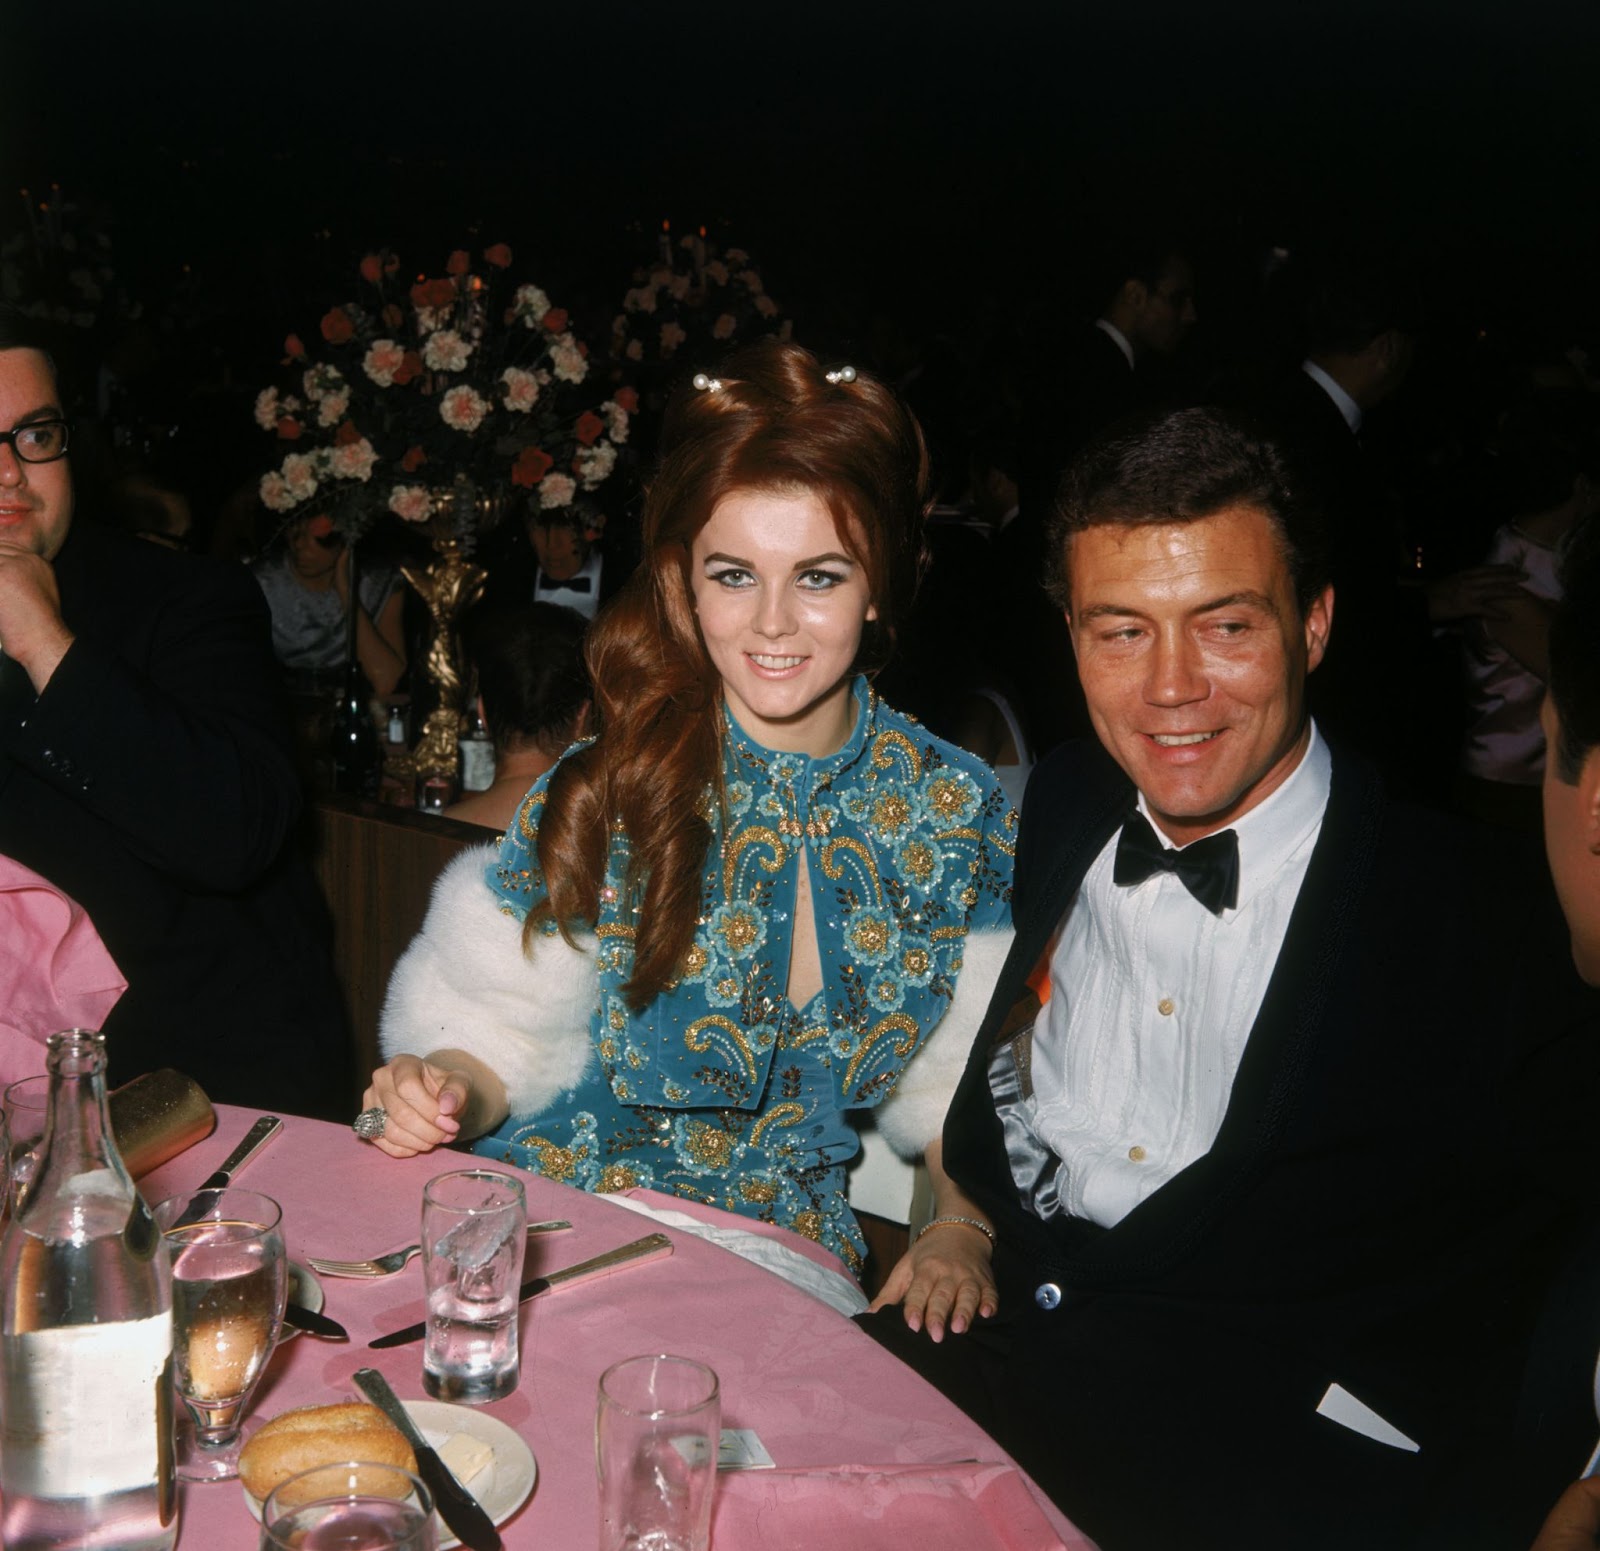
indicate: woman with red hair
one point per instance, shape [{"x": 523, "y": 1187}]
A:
[{"x": 759, "y": 899}]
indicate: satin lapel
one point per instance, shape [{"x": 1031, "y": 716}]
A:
[{"x": 1269, "y": 1083}]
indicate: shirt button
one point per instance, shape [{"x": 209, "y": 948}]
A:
[
  {"x": 1047, "y": 1295},
  {"x": 1165, "y": 1006},
  {"x": 1136, "y": 1154}
]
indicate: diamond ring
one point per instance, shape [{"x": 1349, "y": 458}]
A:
[{"x": 369, "y": 1124}]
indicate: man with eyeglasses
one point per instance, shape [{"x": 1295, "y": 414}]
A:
[{"x": 145, "y": 770}]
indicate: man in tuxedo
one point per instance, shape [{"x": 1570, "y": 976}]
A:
[
  {"x": 553, "y": 557},
  {"x": 1271, "y": 1174},
  {"x": 145, "y": 770}
]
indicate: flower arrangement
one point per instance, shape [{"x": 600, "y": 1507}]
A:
[
  {"x": 691, "y": 303},
  {"x": 436, "y": 400}
]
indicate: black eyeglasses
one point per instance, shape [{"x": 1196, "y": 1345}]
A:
[{"x": 43, "y": 441}]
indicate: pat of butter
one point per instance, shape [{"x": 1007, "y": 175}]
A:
[{"x": 465, "y": 1456}]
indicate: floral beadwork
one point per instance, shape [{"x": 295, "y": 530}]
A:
[{"x": 720, "y": 1090}]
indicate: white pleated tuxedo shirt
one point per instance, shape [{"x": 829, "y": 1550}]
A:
[{"x": 1152, "y": 998}]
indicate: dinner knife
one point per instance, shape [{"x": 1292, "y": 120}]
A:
[
  {"x": 313, "y": 1323},
  {"x": 457, "y": 1506},
  {"x": 257, "y": 1137},
  {"x": 653, "y": 1246}
]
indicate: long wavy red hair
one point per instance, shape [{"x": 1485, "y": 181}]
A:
[{"x": 772, "y": 421}]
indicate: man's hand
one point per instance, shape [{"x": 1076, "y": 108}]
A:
[
  {"x": 943, "y": 1281},
  {"x": 423, "y": 1102},
  {"x": 1574, "y": 1522},
  {"x": 31, "y": 628}
]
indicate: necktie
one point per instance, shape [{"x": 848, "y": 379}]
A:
[
  {"x": 573, "y": 583},
  {"x": 1208, "y": 868}
]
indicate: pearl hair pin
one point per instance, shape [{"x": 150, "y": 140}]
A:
[
  {"x": 706, "y": 384},
  {"x": 841, "y": 374}
]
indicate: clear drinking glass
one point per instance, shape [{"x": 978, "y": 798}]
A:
[
  {"x": 229, "y": 1284},
  {"x": 474, "y": 1231},
  {"x": 27, "y": 1103},
  {"x": 349, "y": 1507},
  {"x": 657, "y": 1427}
]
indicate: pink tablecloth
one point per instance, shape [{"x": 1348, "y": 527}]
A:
[{"x": 823, "y": 1397}]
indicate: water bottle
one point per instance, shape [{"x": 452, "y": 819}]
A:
[
  {"x": 86, "y": 1429},
  {"x": 357, "y": 760}
]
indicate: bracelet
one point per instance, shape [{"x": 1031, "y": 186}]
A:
[{"x": 970, "y": 1222}]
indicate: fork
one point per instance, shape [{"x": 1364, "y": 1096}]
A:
[{"x": 387, "y": 1265}]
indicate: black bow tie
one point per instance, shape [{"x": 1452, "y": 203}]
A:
[
  {"x": 572, "y": 584},
  {"x": 1209, "y": 868}
]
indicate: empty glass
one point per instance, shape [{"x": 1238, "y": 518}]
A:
[
  {"x": 27, "y": 1103},
  {"x": 657, "y": 1426}
]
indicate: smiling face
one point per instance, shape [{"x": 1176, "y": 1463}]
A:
[
  {"x": 35, "y": 498},
  {"x": 781, "y": 606},
  {"x": 1193, "y": 658}
]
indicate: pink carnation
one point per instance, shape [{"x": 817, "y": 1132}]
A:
[
  {"x": 557, "y": 490},
  {"x": 383, "y": 360},
  {"x": 446, "y": 351},
  {"x": 410, "y": 503},
  {"x": 522, "y": 389},
  {"x": 462, "y": 409},
  {"x": 724, "y": 326},
  {"x": 354, "y": 460},
  {"x": 672, "y": 335}
]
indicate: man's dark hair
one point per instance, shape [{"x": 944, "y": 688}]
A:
[
  {"x": 1181, "y": 466},
  {"x": 530, "y": 673},
  {"x": 20, "y": 332},
  {"x": 1575, "y": 655},
  {"x": 1132, "y": 253}
]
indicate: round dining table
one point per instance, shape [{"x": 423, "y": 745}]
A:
[{"x": 865, "y": 1453}]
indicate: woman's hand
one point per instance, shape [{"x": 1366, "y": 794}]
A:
[
  {"x": 943, "y": 1281},
  {"x": 423, "y": 1101},
  {"x": 1574, "y": 1522}
]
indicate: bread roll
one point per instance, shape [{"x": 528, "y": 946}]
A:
[{"x": 320, "y": 1435}]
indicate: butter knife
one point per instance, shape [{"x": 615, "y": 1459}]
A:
[
  {"x": 653, "y": 1246},
  {"x": 457, "y": 1506},
  {"x": 299, "y": 1317}
]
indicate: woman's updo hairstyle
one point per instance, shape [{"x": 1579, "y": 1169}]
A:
[{"x": 771, "y": 419}]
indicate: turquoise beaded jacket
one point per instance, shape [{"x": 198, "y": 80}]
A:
[{"x": 721, "y": 1090}]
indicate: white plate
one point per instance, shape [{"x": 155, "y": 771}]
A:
[
  {"x": 305, "y": 1290},
  {"x": 501, "y": 1487}
]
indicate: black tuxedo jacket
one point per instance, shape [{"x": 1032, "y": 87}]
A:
[
  {"x": 153, "y": 781},
  {"x": 1405, "y": 1141}
]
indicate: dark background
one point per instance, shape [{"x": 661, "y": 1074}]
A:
[{"x": 899, "y": 171}]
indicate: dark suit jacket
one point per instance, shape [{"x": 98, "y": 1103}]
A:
[
  {"x": 1387, "y": 1181},
  {"x": 153, "y": 781}
]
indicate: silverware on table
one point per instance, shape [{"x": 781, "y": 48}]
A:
[
  {"x": 313, "y": 1323},
  {"x": 257, "y": 1137},
  {"x": 653, "y": 1246},
  {"x": 387, "y": 1265},
  {"x": 457, "y": 1506}
]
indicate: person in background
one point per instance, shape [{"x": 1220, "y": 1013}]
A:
[
  {"x": 1549, "y": 463},
  {"x": 145, "y": 771},
  {"x": 307, "y": 587},
  {"x": 760, "y": 898},
  {"x": 534, "y": 698}
]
